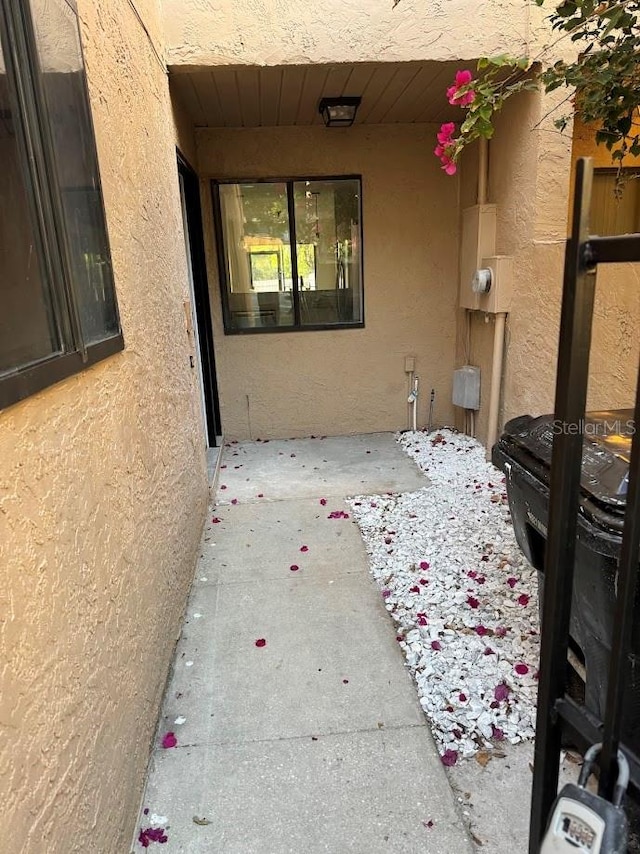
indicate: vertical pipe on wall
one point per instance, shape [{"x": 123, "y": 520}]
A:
[
  {"x": 496, "y": 380},
  {"x": 483, "y": 170}
]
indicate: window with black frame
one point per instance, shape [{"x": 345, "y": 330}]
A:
[
  {"x": 58, "y": 311},
  {"x": 290, "y": 254}
]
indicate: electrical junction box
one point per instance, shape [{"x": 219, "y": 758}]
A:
[
  {"x": 466, "y": 387},
  {"x": 497, "y": 296},
  {"x": 478, "y": 242}
]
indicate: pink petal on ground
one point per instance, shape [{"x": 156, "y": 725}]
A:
[
  {"x": 428, "y": 824},
  {"x": 234, "y": 500},
  {"x": 480, "y": 579},
  {"x": 304, "y": 548},
  {"x": 423, "y": 581},
  {"x": 497, "y": 733},
  {"x": 260, "y": 495},
  {"x": 501, "y": 692},
  {"x": 481, "y": 631},
  {"x": 386, "y": 594},
  {"x": 523, "y": 599},
  {"x": 223, "y": 486},
  {"x": 215, "y": 520},
  {"x": 472, "y": 573},
  {"x": 449, "y": 758},
  {"x": 462, "y": 698},
  {"x": 521, "y": 669},
  {"x": 424, "y": 565},
  {"x": 512, "y": 582},
  {"x": 414, "y": 589},
  {"x": 436, "y": 645},
  {"x": 345, "y": 681},
  {"x": 422, "y": 619},
  {"x": 169, "y": 740},
  {"x": 488, "y": 651},
  {"x": 501, "y": 632},
  {"x": 294, "y": 567},
  {"x": 260, "y": 643},
  {"x": 323, "y": 501},
  {"x": 472, "y": 602}
]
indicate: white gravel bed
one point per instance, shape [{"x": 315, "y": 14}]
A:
[{"x": 461, "y": 593}]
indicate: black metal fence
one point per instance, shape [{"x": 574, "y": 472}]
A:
[{"x": 558, "y": 714}]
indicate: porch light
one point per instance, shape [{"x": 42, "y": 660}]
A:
[{"x": 339, "y": 112}]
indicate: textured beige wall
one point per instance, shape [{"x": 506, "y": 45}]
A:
[
  {"x": 529, "y": 165},
  {"x": 261, "y": 32},
  {"x": 102, "y": 496},
  {"x": 616, "y": 343},
  {"x": 343, "y": 381}
]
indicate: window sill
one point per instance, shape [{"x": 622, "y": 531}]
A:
[
  {"x": 272, "y": 330},
  {"x": 26, "y": 382}
]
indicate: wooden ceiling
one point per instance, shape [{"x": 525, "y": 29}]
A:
[{"x": 288, "y": 95}]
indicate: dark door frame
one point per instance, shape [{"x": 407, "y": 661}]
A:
[{"x": 201, "y": 291}]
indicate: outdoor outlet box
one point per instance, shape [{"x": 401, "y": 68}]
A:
[
  {"x": 466, "y": 387},
  {"x": 478, "y": 243},
  {"x": 497, "y": 298}
]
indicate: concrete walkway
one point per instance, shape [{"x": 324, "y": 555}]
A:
[{"x": 314, "y": 742}]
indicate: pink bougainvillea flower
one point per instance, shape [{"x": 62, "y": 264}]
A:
[
  {"x": 423, "y": 581},
  {"x": 481, "y": 631},
  {"x": 216, "y": 521},
  {"x": 488, "y": 651},
  {"x": 480, "y": 579},
  {"x": 424, "y": 565},
  {"x": 414, "y": 589},
  {"x": 436, "y": 645},
  {"x": 512, "y": 582},
  {"x": 234, "y": 500},
  {"x": 472, "y": 573},
  {"x": 386, "y": 594},
  {"x": 341, "y": 514},
  {"x": 449, "y": 758},
  {"x": 523, "y": 599},
  {"x": 521, "y": 669},
  {"x": 260, "y": 643},
  {"x": 169, "y": 740},
  {"x": 501, "y": 632},
  {"x": 152, "y": 834},
  {"x": 304, "y": 548},
  {"x": 462, "y": 698},
  {"x": 472, "y": 602},
  {"x": 461, "y": 99},
  {"x": 422, "y": 619},
  {"x": 445, "y": 135},
  {"x": 223, "y": 486},
  {"x": 323, "y": 501},
  {"x": 501, "y": 692},
  {"x": 449, "y": 166},
  {"x": 294, "y": 567},
  {"x": 497, "y": 733}
]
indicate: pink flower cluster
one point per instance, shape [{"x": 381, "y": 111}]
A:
[
  {"x": 460, "y": 96},
  {"x": 445, "y": 146},
  {"x": 454, "y": 96}
]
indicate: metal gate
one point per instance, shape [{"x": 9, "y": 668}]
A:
[{"x": 557, "y": 712}]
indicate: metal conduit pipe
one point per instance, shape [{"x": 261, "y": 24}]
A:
[{"x": 496, "y": 380}]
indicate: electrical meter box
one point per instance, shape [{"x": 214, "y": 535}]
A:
[
  {"x": 478, "y": 242},
  {"x": 466, "y": 387},
  {"x": 497, "y": 298}
]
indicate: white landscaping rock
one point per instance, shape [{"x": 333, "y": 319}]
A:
[{"x": 461, "y": 593}]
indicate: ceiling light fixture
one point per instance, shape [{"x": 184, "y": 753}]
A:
[{"x": 339, "y": 112}]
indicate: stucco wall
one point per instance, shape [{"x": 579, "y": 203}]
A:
[
  {"x": 232, "y": 32},
  {"x": 343, "y": 381},
  {"x": 103, "y": 492}
]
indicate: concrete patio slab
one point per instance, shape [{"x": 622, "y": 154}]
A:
[
  {"x": 319, "y": 633},
  {"x": 314, "y": 741},
  {"x": 359, "y": 792},
  {"x": 308, "y": 468},
  {"x": 254, "y": 542}
]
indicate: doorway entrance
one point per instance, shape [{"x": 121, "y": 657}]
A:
[{"x": 199, "y": 295}]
